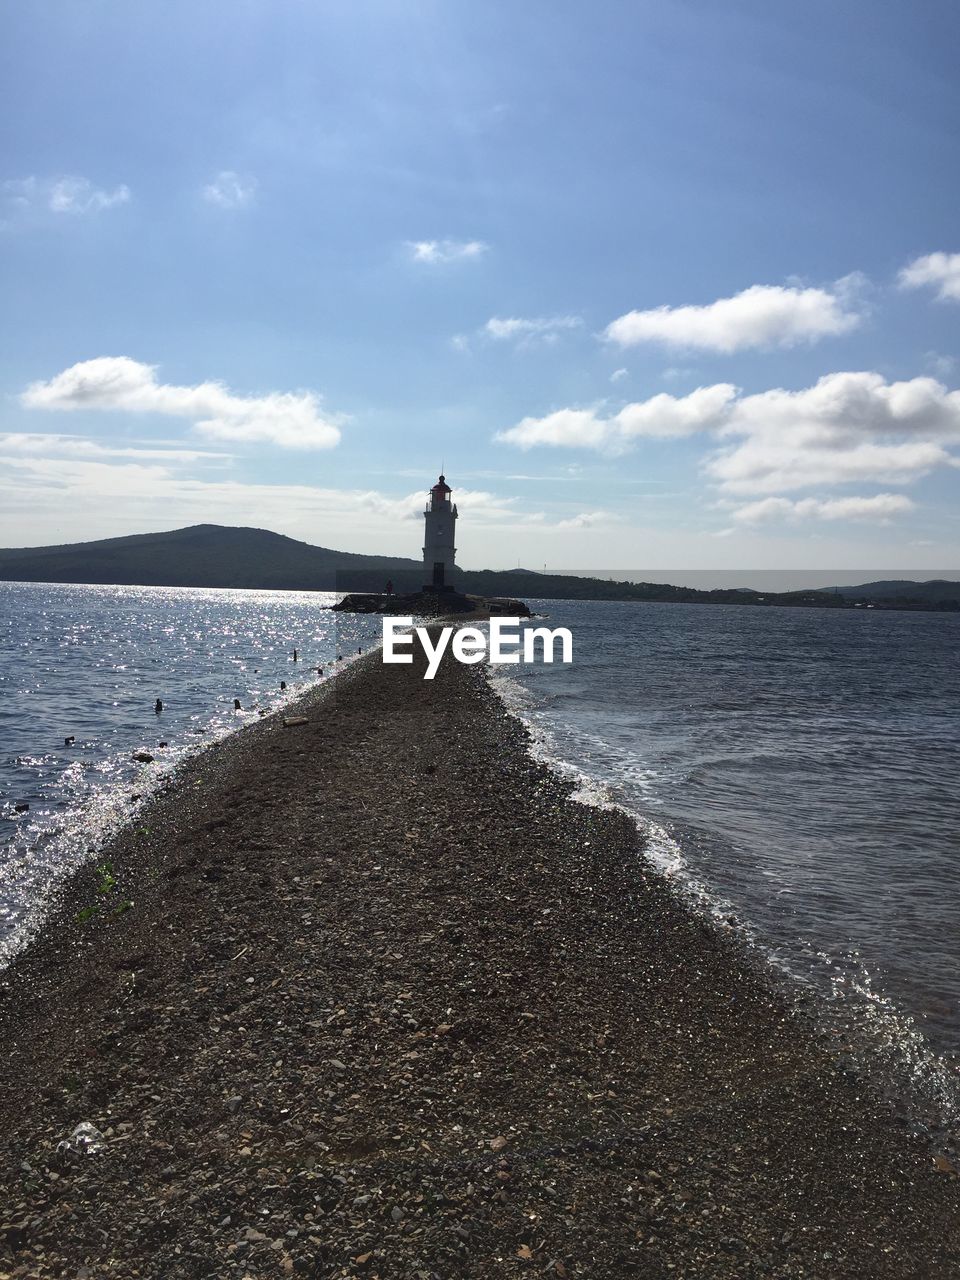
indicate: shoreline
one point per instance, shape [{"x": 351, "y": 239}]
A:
[
  {"x": 387, "y": 1002},
  {"x": 916, "y": 1077},
  {"x": 71, "y": 832}
]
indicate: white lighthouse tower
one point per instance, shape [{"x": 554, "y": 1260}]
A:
[{"x": 440, "y": 517}]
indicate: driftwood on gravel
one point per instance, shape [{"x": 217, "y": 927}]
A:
[{"x": 388, "y": 1003}]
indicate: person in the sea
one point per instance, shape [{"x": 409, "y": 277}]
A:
[{"x": 158, "y": 706}]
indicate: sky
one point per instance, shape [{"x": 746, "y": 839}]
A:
[{"x": 657, "y": 285}]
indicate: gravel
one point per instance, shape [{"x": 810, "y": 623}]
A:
[{"x": 388, "y": 1003}]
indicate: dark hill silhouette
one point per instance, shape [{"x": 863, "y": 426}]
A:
[
  {"x": 933, "y": 591},
  {"x": 204, "y": 555}
]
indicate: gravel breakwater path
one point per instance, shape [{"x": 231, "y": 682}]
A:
[{"x": 387, "y": 1003}]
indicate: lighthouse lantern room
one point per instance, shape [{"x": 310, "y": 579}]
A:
[{"x": 440, "y": 517}]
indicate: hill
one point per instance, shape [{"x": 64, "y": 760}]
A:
[
  {"x": 204, "y": 555},
  {"x": 210, "y": 555},
  {"x": 935, "y": 591}
]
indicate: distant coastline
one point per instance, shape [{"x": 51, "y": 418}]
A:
[{"x": 219, "y": 556}]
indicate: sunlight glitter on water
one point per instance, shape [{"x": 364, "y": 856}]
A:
[{"x": 88, "y": 663}]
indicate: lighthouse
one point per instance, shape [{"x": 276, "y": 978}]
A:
[{"x": 440, "y": 519}]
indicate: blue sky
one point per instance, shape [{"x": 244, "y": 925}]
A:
[{"x": 662, "y": 285}]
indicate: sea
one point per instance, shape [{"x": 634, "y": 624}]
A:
[
  {"x": 81, "y": 670},
  {"x": 793, "y": 772}
]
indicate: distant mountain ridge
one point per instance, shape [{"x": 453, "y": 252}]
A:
[
  {"x": 211, "y": 555},
  {"x": 903, "y": 589}
]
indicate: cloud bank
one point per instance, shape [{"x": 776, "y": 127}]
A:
[
  {"x": 661, "y": 417},
  {"x": 40, "y": 444},
  {"x": 90, "y": 490},
  {"x": 761, "y": 316},
  {"x": 290, "y": 420},
  {"x": 846, "y": 428},
  {"x": 878, "y": 509}
]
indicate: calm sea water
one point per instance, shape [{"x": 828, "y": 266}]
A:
[
  {"x": 797, "y": 770},
  {"x": 89, "y": 663}
]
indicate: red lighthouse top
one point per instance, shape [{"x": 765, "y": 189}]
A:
[{"x": 440, "y": 490}]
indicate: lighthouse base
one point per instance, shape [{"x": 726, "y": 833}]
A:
[
  {"x": 432, "y": 604},
  {"x": 438, "y": 576}
]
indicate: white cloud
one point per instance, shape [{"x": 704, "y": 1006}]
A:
[
  {"x": 564, "y": 428},
  {"x": 662, "y": 416},
  {"x": 762, "y": 467},
  {"x": 68, "y": 194},
  {"x": 525, "y": 331},
  {"x": 489, "y": 509},
  {"x": 618, "y": 374},
  {"x": 840, "y": 406},
  {"x": 442, "y": 251},
  {"x": 82, "y": 498},
  {"x": 290, "y": 420},
  {"x": 28, "y": 443},
  {"x": 878, "y": 509},
  {"x": 584, "y": 520},
  {"x": 480, "y": 504},
  {"x": 229, "y": 190},
  {"x": 847, "y": 428},
  {"x": 761, "y": 316},
  {"x": 940, "y": 365},
  {"x": 941, "y": 270},
  {"x": 89, "y": 496},
  {"x": 79, "y": 195},
  {"x": 20, "y": 192}
]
